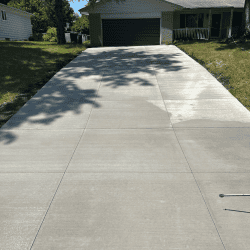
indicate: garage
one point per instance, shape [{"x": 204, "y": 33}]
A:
[{"x": 131, "y": 32}]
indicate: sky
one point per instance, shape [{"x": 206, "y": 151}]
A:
[{"x": 77, "y": 4}]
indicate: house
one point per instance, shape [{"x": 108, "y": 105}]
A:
[
  {"x": 153, "y": 22},
  {"x": 15, "y": 24}
]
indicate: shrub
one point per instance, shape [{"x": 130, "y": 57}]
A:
[
  {"x": 31, "y": 38},
  {"x": 51, "y": 35},
  {"x": 86, "y": 43},
  {"x": 36, "y": 37}
]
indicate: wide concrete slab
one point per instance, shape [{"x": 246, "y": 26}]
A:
[
  {"x": 128, "y": 150},
  {"x": 25, "y": 198},
  {"x": 172, "y": 76},
  {"x": 34, "y": 151},
  {"x": 197, "y": 83},
  {"x": 180, "y": 67},
  {"x": 232, "y": 223},
  {"x": 207, "y": 113},
  {"x": 136, "y": 93},
  {"x": 216, "y": 149},
  {"x": 121, "y": 83},
  {"x": 128, "y": 211},
  {"x": 119, "y": 150},
  {"x": 48, "y": 111},
  {"x": 194, "y": 93},
  {"x": 150, "y": 117}
]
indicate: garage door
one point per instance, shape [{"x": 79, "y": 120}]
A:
[{"x": 127, "y": 32}]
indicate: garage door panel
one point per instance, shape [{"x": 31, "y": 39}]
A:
[{"x": 120, "y": 32}]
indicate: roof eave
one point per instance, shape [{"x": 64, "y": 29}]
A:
[{"x": 18, "y": 10}]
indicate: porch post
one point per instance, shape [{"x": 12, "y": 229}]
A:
[
  {"x": 209, "y": 23},
  {"x": 231, "y": 22},
  {"x": 160, "y": 28},
  {"x": 221, "y": 19}
]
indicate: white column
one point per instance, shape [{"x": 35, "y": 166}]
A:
[
  {"x": 160, "y": 28},
  {"x": 231, "y": 22},
  {"x": 209, "y": 23}
]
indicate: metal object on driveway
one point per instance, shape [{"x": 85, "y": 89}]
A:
[{"x": 225, "y": 195}]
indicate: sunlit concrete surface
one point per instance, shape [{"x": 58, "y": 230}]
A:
[{"x": 127, "y": 148}]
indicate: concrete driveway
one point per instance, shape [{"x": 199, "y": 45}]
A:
[{"x": 127, "y": 148}]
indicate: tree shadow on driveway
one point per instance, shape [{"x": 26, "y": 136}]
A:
[{"x": 76, "y": 85}]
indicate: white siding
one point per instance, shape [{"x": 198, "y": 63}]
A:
[{"x": 16, "y": 27}]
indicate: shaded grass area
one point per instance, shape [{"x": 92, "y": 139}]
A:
[
  {"x": 229, "y": 63},
  {"x": 26, "y": 66}
]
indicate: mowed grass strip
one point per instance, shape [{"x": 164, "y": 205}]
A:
[
  {"x": 25, "y": 67},
  {"x": 228, "y": 63}
]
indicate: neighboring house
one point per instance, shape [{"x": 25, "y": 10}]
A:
[
  {"x": 15, "y": 24},
  {"x": 153, "y": 22}
]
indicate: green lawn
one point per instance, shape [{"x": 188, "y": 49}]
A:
[
  {"x": 229, "y": 63},
  {"x": 27, "y": 66}
]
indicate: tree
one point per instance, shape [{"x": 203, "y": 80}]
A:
[
  {"x": 59, "y": 20},
  {"x": 45, "y": 13},
  {"x": 68, "y": 13},
  {"x": 76, "y": 16},
  {"x": 4, "y": 1},
  {"x": 81, "y": 25},
  {"x": 40, "y": 21},
  {"x": 247, "y": 18}
]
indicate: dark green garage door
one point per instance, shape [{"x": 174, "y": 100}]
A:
[{"x": 127, "y": 32}]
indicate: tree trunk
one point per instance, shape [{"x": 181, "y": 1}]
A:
[
  {"x": 59, "y": 19},
  {"x": 246, "y": 17}
]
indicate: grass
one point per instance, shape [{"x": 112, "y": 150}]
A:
[
  {"x": 229, "y": 63},
  {"x": 26, "y": 66}
]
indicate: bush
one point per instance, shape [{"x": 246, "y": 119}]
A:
[
  {"x": 87, "y": 44},
  {"x": 31, "y": 38},
  {"x": 51, "y": 35},
  {"x": 39, "y": 36},
  {"x": 36, "y": 37}
]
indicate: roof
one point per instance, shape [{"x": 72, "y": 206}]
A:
[
  {"x": 16, "y": 10},
  {"x": 192, "y": 4}
]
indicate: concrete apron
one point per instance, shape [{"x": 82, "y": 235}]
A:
[{"x": 127, "y": 148}]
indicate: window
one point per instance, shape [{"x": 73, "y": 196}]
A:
[
  {"x": 3, "y": 15},
  {"x": 237, "y": 19},
  {"x": 191, "y": 20},
  {"x": 200, "y": 20},
  {"x": 182, "y": 21}
]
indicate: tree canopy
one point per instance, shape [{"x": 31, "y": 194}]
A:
[
  {"x": 81, "y": 25},
  {"x": 44, "y": 11}
]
